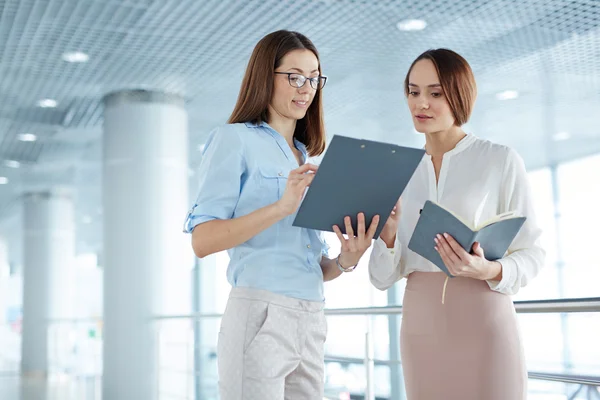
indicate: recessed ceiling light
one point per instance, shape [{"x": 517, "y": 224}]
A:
[
  {"x": 409, "y": 25},
  {"x": 561, "y": 136},
  {"x": 27, "y": 137},
  {"x": 75, "y": 57},
  {"x": 507, "y": 95},
  {"x": 3, "y": 180},
  {"x": 47, "y": 103},
  {"x": 12, "y": 163}
]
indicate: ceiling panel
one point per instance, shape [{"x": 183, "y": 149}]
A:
[{"x": 548, "y": 51}]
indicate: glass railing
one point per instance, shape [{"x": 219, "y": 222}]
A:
[
  {"x": 10, "y": 348},
  {"x": 362, "y": 352},
  {"x": 361, "y": 364}
]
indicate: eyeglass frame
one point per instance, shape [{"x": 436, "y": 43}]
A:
[{"x": 289, "y": 74}]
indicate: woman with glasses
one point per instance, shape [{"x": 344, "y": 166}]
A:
[
  {"x": 253, "y": 176},
  {"x": 459, "y": 337}
]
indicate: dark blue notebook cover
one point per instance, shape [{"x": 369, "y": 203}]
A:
[{"x": 494, "y": 238}]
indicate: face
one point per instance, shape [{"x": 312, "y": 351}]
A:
[
  {"x": 429, "y": 107},
  {"x": 291, "y": 102}
]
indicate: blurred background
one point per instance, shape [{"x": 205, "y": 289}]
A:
[{"x": 104, "y": 109}]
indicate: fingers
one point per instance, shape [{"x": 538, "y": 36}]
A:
[
  {"x": 349, "y": 230},
  {"x": 304, "y": 169},
  {"x": 398, "y": 207},
  {"x": 446, "y": 261},
  {"x": 341, "y": 238},
  {"x": 373, "y": 228},
  {"x": 478, "y": 250},
  {"x": 457, "y": 248},
  {"x": 395, "y": 215},
  {"x": 350, "y": 234},
  {"x": 361, "y": 227},
  {"x": 305, "y": 181},
  {"x": 451, "y": 259}
]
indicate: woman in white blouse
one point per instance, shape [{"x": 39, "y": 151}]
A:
[{"x": 459, "y": 337}]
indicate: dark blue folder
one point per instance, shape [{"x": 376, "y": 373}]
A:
[{"x": 357, "y": 175}]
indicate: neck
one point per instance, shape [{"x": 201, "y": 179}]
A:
[
  {"x": 438, "y": 143},
  {"x": 284, "y": 126}
]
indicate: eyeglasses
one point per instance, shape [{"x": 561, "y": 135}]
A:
[{"x": 297, "y": 80}]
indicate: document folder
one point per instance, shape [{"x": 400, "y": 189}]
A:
[{"x": 357, "y": 175}]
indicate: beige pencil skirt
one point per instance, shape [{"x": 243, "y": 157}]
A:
[{"x": 468, "y": 348}]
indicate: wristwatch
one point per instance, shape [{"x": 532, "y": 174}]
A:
[{"x": 349, "y": 269}]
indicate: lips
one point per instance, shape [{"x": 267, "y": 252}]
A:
[
  {"x": 300, "y": 103},
  {"x": 423, "y": 117}
]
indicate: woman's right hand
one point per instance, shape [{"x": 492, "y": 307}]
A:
[
  {"x": 298, "y": 180},
  {"x": 390, "y": 229}
]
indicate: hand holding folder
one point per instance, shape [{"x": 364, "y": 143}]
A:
[{"x": 357, "y": 176}]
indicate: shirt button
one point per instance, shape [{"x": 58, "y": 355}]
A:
[
  {"x": 308, "y": 246},
  {"x": 392, "y": 251},
  {"x": 280, "y": 174}
]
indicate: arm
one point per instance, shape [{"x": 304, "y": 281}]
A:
[
  {"x": 217, "y": 235},
  {"x": 330, "y": 269},
  {"x": 353, "y": 247},
  {"x": 525, "y": 255},
  {"x": 384, "y": 263},
  {"x": 221, "y": 174}
]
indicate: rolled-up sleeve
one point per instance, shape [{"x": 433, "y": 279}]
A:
[
  {"x": 525, "y": 256},
  {"x": 220, "y": 174}
]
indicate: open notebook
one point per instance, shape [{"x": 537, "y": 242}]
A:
[{"x": 494, "y": 235}]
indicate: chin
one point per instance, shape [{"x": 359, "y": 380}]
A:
[
  {"x": 422, "y": 130},
  {"x": 299, "y": 116},
  {"x": 429, "y": 129}
]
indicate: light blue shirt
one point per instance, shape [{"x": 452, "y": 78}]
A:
[{"x": 245, "y": 167}]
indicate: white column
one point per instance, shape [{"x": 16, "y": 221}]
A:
[
  {"x": 49, "y": 249},
  {"x": 4, "y": 289},
  {"x": 147, "y": 258}
]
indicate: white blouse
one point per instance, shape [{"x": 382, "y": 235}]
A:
[{"x": 478, "y": 180}]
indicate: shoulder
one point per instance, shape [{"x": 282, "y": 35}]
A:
[
  {"x": 229, "y": 131},
  {"x": 496, "y": 152},
  {"x": 230, "y": 135}
]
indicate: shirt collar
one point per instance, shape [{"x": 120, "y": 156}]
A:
[
  {"x": 299, "y": 145},
  {"x": 463, "y": 144},
  {"x": 263, "y": 124}
]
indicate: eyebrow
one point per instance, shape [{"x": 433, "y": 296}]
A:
[
  {"x": 301, "y": 71},
  {"x": 431, "y": 86}
]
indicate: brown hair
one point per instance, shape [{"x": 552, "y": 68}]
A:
[
  {"x": 257, "y": 88},
  {"x": 456, "y": 78}
]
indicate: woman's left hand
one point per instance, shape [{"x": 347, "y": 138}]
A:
[
  {"x": 461, "y": 263},
  {"x": 355, "y": 245}
]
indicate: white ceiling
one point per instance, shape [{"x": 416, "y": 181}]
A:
[{"x": 547, "y": 50}]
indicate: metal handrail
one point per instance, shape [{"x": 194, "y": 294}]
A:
[
  {"x": 564, "y": 378},
  {"x": 589, "y": 304}
]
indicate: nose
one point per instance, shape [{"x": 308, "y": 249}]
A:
[
  {"x": 422, "y": 103},
  {"x": 306, "y": 88}
]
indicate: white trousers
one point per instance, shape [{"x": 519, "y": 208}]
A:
[{"x": 271, "y": 347}]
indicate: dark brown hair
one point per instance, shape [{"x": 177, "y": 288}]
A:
[
  {"x": 257, "y": 88},
  {"x": 456, "y": 78}
]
